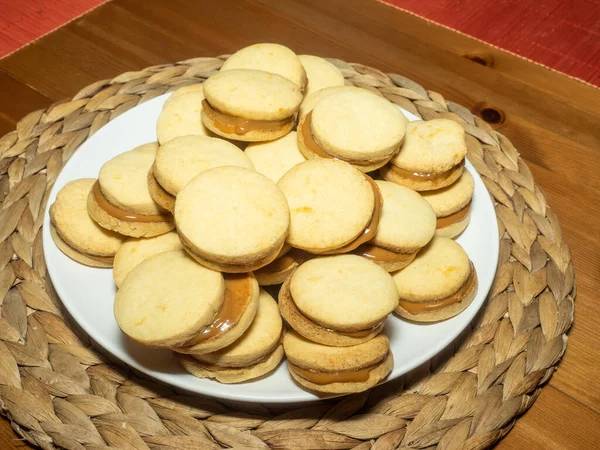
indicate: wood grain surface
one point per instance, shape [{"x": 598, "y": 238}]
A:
[{"x": 551, "y": 119}]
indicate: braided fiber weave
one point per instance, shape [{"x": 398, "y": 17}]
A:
[{"x": 60, "y": 391}]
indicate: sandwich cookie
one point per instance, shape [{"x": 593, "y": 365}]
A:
[
  {"x": 273, "y": 58},
  {"x": 135, "y": 250},
  {"x": 75, "y": 233},
  {"x": 181, "y": 114},
  {"x": 432, "y": 156},
  {"x": 274, "y": 158},
  {"x": 232, "y": 219},
  {"x": 338, "y": 300},
  {"x": 182, "y": 158},
  {"x": 452, "y": 205},
  {"x": 334, "y": 207},
  {"x": 337, "y": 370},
  {"x": 407, "y": 223},
  {"x": 311, "y": 100},
  {"x": 257, "y": 352},
  {"x": 250, "y": 105},
  {"x": 355, "y": 126},
  {"x": 168, "y": 299},
  {"x": 321, "y": 73},
  {"x": 120, "y": 199},
  {"x": 440, "y": 283},
  {"x": 281, "y": 268}
]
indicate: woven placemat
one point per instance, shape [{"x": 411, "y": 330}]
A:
[{"x": 60, "y": 391}]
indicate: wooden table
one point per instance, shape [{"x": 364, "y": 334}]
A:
[{"x": 553, "y": 120}]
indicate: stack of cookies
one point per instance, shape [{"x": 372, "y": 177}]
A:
[{"x": 266, "y": 175}]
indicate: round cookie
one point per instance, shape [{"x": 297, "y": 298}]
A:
[
  {"x": 274, "y": 58},
  {"x": 182, "y": 158},
  {"x": 227, "y": 202},
  {"x": 407, "y": 224},
  {"x": 337, "y": 370},
  {"x": 120, "y": 200},
  {"x": 321, "y": 74},
  {"x": 311, "y": 100},
  {"x": 181, "y": 116},
  {"x": 452, "y": 205},
  {"x": 432, "y": 155},
  {"x": 440, "y": 283},
  {"x": 255, "y": 353},
  {"x": 339, "y": 300},
  {"x": 236, "y": 315},
  {"x": 274, "y": 158},
  {"x": 135, "y": 250},
  {"x": 355, "y": 126},
  {"x": 250, "y": 105},
  {"x": 75, "y": 233},
  {"x": 331, "y": 204},
  {"x": 168, "y": 299}
]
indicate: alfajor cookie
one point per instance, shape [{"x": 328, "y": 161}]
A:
[
  {"x": 75, "y": 233},
  {"x": 338, "y": 300},
  {"x": 274, "y": 158},
  {"x": 356, "y": 126},
  {"x": 321, "y": 73},
  {"x": 120, "y": 200},
  {"x": 168, "y": 299},
  {"x": 135, "y": 250},
  {"x": 337, "y": 370},
  {"x": 281, "y": 268},
  {"x": 250, "y": 105},
  {"x": 407, "y": 223},
  {"x": 333, "y": 206},
  {"x": 452, "y": 205},
  {"x": 232, "y": 219},
  {"x": 273, "y": 58},
  {"x": 440, "y": 283},
  {"x": 256, "y": 353},
  {"x": 182, "y": 158},
  {"x": 432, "y": 156},
  {"x": 237, "y": 313},
  {"x": 182, "y": 115}
]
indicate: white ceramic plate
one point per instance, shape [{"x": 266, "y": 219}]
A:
[{"x": 88, "y": 293}]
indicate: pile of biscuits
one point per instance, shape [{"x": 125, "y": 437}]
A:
[{"x": 273, "y": 173}]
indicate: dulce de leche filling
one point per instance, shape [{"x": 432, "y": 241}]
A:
[
  {"x": 238, "y": 292},
  {"x": 425, "y": 176},
  {"x": 370, "y": 230},
  {"x": 458, "y": 296},
  {"x": 453, "y": 218},
  {"x": 121, "y": 214},
  {"x": 238, "y": 125},
  {"x": 345, "y": 376},
  {"x": 311, "y": 144},
  {"x": 375, "y": 253},
  {"x": 294, "y": 256}
]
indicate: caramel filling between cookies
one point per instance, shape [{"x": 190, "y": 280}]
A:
[
  {"x": 426, "y": 176},
  {"x": 434, "y": 305},
  {"x": 284, "y": 262},
  {"x": 453, "y": 218},
  {"x": 121, "y": 214},
  {"x": 375, "y": 253},
  {"x": 370, "y": 230},
  {"x": 312, "y": 145},
  {"x": 238, "y": 292},
  {"x": 238, "y": 125},
  {"x": 345, "y": 376}
]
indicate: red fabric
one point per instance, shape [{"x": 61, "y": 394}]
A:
[
  {"x": 561, "y": 34},
  {"x": 24, "y": 21}
]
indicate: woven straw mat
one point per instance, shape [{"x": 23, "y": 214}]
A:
[{"x": 60, "y": 391}]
